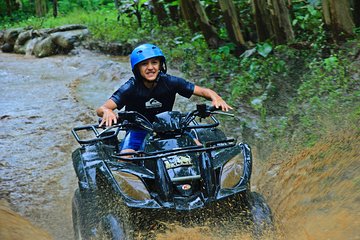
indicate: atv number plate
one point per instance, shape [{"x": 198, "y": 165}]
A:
[{"x": 178, "y": 161}]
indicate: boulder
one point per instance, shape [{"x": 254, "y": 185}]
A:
[
  {"x": 12, "y": 34},
  {"x": 7, "y": 48},
  {"x": 69, "y": 27},
  {"x": 44, "y": 48},
  {"x": 66, "y": 40},
  {"x": 23, "y": 38}
]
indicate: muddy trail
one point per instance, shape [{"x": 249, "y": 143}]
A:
[
  {"x": 38, "y": 110},
  {"x": 314, "y": 193}
]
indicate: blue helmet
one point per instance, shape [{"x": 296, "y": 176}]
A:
[{"x": 144, "y": 52}]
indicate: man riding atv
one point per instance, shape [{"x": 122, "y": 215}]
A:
[
  {"x": 149, "y": 92},
  {"x": 170, "y": 165}
]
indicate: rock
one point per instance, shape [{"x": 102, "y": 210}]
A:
[
  {"x": 50, "y": 41},
  {"x": 29, "y": 45},
  {"x": 11, "y": 35},
  {"x": 44, "y": 48},
  {"x": 66, "y": 40},
  {"x": 7, "y": 47},
  {"x": 109, "y": 48},
  {"x": 23, "y": 38},
  {"x": 68, "y": 27}
]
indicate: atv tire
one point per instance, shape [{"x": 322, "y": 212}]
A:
[
  {"x": 112, "y": 228},
  {"x": 261, "y": 215},
  {"x": 79, "y": 215},
  {"x": 94, "y": 224}
]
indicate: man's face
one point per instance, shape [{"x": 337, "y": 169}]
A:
[{"x": 149, "y": 69}]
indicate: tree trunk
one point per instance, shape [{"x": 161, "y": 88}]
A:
[
  {"x": 209, "y": 31},
  {"x": 281, "y": 22},
  {"x": 188, "y": 13},
  {"x": 232, "y": 22},
  {"x": 273, "y": 21},
  {"x": 337, "y": 18},
  {"x": 262, "y": 20},
  {"x": 55, "y": 8},
  {"x": 356, "y": 13},
  {"x": 8, "y": 8},
  {"x": 160, "y": 13},
  {"x": 40, "y": 8},
  {"x": 173, "y": 9},
  {"x": 16, "y": 5}
]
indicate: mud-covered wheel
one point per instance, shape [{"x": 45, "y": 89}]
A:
[
  {"x": 77, "y": 217},
  {"x": 115, "y": 220},
  {"x": 112, "y": 227},
  {"x": 261, "y": 215}
]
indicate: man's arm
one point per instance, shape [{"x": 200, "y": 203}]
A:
[
  {"x": 211, "y": 95},
  {"x": 106, "y": 111}
]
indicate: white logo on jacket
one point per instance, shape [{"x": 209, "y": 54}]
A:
[{"x": 153, "y": 103}]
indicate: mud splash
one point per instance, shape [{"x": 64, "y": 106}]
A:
[
  {"x": 314, "y": 193},
  {"x": 15, "y": 227}
]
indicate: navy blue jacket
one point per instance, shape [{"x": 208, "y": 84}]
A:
[{"x": 136, "y": 97}]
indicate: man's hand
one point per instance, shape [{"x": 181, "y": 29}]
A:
[
  {"x": 108, "y": 118},
  {"x": 211, "y": 95},
  {"x": 218, "y": 102},
  {"x": 106, "y": 112}
]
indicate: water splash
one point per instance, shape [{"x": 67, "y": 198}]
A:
[{"x": 314, "y": 192}]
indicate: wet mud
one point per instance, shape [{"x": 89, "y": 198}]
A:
[
  {"x": 314, "y": 193},
  {"x": 13, "y": 226},
  {"x": 38, "y": 110}
]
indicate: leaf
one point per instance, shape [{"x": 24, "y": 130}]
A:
[{"x": 264, "y": 49}]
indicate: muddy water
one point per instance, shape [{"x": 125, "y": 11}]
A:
[
  {"x": 37, "y": 111},
  {"x": 41, "y": 100},
  {"x": 314, "y": 193}
]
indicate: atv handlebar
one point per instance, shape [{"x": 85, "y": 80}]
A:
[{"x": 132, "y": 119}]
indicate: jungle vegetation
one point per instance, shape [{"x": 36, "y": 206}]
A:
[{"x": 293, "y": 63}]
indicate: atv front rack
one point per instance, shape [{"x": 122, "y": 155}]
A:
[
  {"x": 209, "y": 146},
  {"x": 99, "y": 136}
]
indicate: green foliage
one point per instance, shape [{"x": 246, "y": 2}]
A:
[
  {"x": 264, "y": 49},
  {"x": 307, "y": 23},
  {"x": 328, "y": 97},
  {"x": 326, "y": 78},
  {"x": 258, "y": 71},
  {"x": 136, "y": 8}
]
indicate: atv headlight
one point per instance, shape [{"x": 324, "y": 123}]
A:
[
  {"x": 232, "y": 172},
  {"x": 131, "y": 185}
]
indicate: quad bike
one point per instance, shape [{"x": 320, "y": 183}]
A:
[{"x": 187, "y": 167}]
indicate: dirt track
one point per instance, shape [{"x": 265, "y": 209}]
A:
[{"x": 38, "y": 110}]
